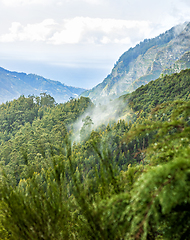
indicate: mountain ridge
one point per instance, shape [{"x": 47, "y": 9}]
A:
[
  {"x": 143, "y": 63},
  {"x": 13, "y": 84}
]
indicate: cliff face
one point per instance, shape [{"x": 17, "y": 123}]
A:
[
  {"x": 181, "y": 64},
  {"x": 144, "y": 62}
]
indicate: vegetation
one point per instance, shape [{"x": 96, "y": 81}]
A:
[
  {"x": 123, "y": 180},
  {"x": 164, "y": 89},
  {"x": 164, "y": 54}
]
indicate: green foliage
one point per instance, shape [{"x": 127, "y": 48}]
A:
[
  {"x": 168, "y": 88},
  {"x": 34, "y": 139},
  {"x": 86, "y": 128},
  {"x": 160, "y": 197},
  {"x": 127, "y": 180},
  {"x": 3, "y": 232},
  {"x": 38, "y": 207}
]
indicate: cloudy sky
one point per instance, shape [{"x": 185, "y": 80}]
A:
[{"x": 77, "y": 42}]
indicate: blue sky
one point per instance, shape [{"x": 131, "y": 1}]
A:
[{"x": 77, "y": 42}]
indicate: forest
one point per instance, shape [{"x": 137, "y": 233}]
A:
[{"x": 64, "y": 175}]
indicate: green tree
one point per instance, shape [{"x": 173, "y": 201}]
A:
[{"x": 86, "y": 128}]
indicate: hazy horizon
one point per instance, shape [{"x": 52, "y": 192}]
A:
[
  {"x": 82, "y": 77},
  {"x": 77, "y": 42}
]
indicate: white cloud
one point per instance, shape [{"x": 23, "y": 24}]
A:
[
  {"x": 180, "y": 10},
  {"x": 96, "y": 2},
  {"x": 78, "y": 30},
  {"x": 126, "y": 40},
  {"x": 71, "y": 32},
  {"x": 30, "y": 32},
  {"x": 97, "y": 30},
  {"x": 13, "y": 3}
]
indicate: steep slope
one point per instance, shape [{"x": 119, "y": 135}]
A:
[
  {"x": 181, "y": 64},
  {"x": 14, "y": 84},
  {"x": 165, "y": 89},
  {"x": 144, "y": 63},
  {"x": 168, "y": 88}
]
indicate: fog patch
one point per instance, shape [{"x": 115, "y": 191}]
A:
[
  {"x": 179, "y": 28},
  {"x": 99, "y": 115}
]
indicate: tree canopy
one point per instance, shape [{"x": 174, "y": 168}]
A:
[{"x": 128, "y": 179}]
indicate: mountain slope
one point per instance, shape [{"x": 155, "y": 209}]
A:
[
  {"x": 14, "y": 84},
  {"x": 181, "y": 64},
  {"x": 143, "y": 63},
  {"x": 166, "y": 89}
]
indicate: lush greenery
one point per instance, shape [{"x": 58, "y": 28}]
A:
[
  {"x": 164, "y": 89},
  {"x": 128, "y": 179}
]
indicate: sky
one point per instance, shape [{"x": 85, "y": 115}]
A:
[{"x": 77, "y": 42}]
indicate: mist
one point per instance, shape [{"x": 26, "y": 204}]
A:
[{"x": 102, "y": 114}]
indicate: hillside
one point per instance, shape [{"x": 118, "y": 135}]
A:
[
  {"x": 181, "y": 64},
  {"x": 143, "y": 63},
  {"x": 128, "y": 179},
  {"x": 164, "y": 89},
  {"x": 14, "y": 84}
]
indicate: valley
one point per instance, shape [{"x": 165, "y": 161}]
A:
[{"x": 109, "y": 163}]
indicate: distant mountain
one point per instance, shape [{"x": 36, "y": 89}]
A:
[
  {"x": 145, "y": 62},
  {"x": 14, "y": 84}
]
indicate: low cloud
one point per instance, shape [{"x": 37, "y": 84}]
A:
[
  {"x": 78, "y": 30},
  {"x": 110, "y": 112}
]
